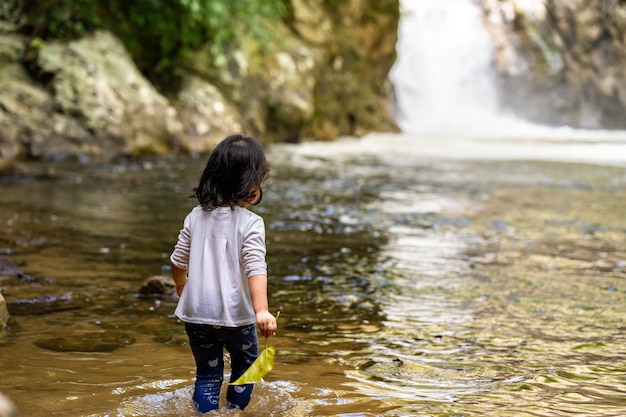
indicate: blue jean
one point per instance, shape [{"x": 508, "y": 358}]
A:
[{"x": 207, "y": 345}]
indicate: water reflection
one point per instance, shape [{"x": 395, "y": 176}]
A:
[{"x": 408, "y": 286}]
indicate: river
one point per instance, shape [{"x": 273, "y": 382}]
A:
[{"x": 412, "y": 280}]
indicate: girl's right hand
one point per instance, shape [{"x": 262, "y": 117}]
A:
[{"x": 267, "y": 323}]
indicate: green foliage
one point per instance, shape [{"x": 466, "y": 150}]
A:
[
  {"x": 10, "y": 10},
  {"x": 156, "y": 32},
  {"x": 227, "y": 22},
  {"x": 60, "y": 18}
]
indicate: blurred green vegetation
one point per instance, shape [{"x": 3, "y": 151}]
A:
[{"x": 157, "y": 33}]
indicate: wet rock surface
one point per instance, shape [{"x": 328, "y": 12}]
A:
[
  {"x": 10, "y": 272},
  {"x": 561, "y": 62},
  {"x": 44, "y": 304},
  {"x": 107, "y": 341}
]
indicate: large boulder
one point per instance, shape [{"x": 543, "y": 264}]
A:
[
  {"x": 205, "y": 114},
  {"x": 23, "y": 115},
  {"x": 352, "y": 89},
  {"x": 322, "y": 77},
  {"x": 561, "y": 61},
  {"x": 272, "y": 86},
  {"x": 96, "y": 81},
  {"x": 82, "y": 99}
]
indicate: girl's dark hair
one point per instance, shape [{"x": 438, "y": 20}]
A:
[{"x": 233, "y": 174}]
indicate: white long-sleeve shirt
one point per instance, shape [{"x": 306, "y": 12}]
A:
[{"x": 221, "y": 249}]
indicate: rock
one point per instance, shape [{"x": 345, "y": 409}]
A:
[
  {"x": 11, "y": 273},
  {"x": 158, "y": 286},
  {"x": 274, "y": 94},
  {"x": 79, "y": 100},
  {"x": 87, "y": 342},
  {"x": 8, "y": 268},
  {"x": 7, "y": 408},
  {"x": 14, "y": 85},
  {"x": 561, "y": 61},
  {"x": 323, "y": 77},
  {"x": 206, "y": 116},
  {"x": 4, "y": 314},
  {"x": 351, "y": 92},
  {"x": 24, "y": 118},
  {"x": 45, "y": 304},
  {"x": 311, "y": 23},
  {"x": 95, "y": 80},
  {"x": 291, "y": 100}
]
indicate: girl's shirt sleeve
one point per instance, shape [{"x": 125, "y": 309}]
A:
[
  {"x": 180, "y": 255},
  {"x": 253, "y": 249}
]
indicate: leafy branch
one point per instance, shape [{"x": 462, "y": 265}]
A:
[{"x": 156, "y": 32}]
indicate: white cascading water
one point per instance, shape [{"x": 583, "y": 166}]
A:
[
  {"x": 444, "y": 81},
  {"x": 443, "y": 78}
]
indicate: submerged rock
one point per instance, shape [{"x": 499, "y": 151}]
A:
[
  {"x": 46, "y": 304},
  {"x": 158, "y": 286},
  {"x": 87, "y": 342},
  {"x": 8, "y": 268},
  {"x": 9, "y": 271}
]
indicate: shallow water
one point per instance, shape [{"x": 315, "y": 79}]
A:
[{"x": 409, "y": 283}]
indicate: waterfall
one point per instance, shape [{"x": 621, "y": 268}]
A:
[
  {"x": 443, "y": 76},
  {"x": 444, "y": 81}
]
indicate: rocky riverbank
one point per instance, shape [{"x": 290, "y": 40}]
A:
[
  {"x": 85, "y": 99},
  {"x": 558, "y": 62}
]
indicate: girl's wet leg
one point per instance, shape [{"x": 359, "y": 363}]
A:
[
  {"x": 208, "y": 353},
  {"x": 243, "y": 348},
  {"x": 238, "y": 396},
  {"x": 206, "y": 395}
]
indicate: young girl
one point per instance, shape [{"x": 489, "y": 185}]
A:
[{"x": 219, "y": 267}]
